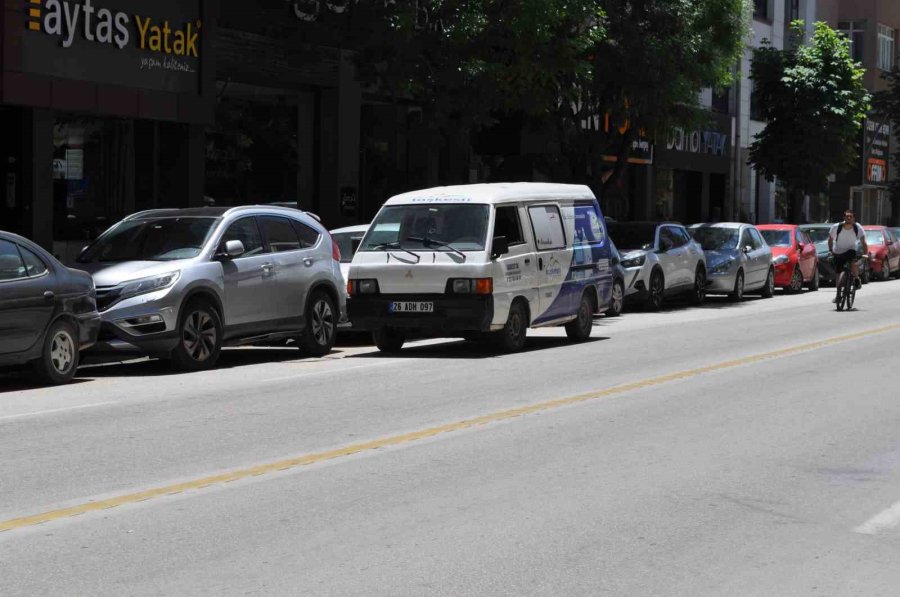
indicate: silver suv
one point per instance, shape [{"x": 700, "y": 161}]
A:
[{"x": 182, "y": 283}]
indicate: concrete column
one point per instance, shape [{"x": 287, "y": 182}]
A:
[
  {"x": 306, "y": 152},
  {"x": 37, "y": 191}
]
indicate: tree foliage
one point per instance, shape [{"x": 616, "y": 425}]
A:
[{"x": 813, "y": 101}]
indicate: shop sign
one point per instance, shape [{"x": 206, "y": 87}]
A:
[
  {"x": 697, "y": 141},
  {"x": 153, "y": 45},
  {"x": 876, "y": 151}
]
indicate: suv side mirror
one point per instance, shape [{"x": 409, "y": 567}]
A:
[
  {"x": 232, "y": 250},
  {"x": 499, "y": 246}
]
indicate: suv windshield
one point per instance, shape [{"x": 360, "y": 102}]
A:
[
  {"x": 777, "y": 238},
  {"x": 161, "y": 239},
  {"x": 443, "y": 227},
  {"x": 716, "y": 239},
  {"x": 629, "y": 237}
]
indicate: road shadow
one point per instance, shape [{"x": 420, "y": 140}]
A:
[
  {"x": 464, "y": 350},
  {"x": 230, "y": 358},
  {"x": 23, "y": 381}
]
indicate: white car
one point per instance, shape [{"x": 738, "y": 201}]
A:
[
  {"x": 348, "y": 240},
  {"x": 660, "y": 259}
]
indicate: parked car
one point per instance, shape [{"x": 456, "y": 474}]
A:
[
  {"x": 818, "y": 234},
  {"x": 617, "y": 301},
  {"x": 348, "y": 240},
  {"x": 794, "y": 256},
  {"x": 484, "y": 261},
  {"x": 884, "y": 251},
  {"x": 182, "y": 283},
  {"x": 660, "y": 259},
  {"x": 48, "y": 313},
  {"x": 738, "y": 260}
]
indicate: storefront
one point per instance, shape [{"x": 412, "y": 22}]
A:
[
  {"x": 691, "y": 174},
  {"x": 103, "y": 105}
]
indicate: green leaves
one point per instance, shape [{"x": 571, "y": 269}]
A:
[{"x": 814, "y": 102}]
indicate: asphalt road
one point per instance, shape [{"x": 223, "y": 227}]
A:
[{"x": 748, "y": 449}]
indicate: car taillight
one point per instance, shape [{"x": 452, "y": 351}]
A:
[{"x": 335, "y": 251}]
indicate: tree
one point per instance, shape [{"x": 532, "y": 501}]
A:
[
  {"x": 813, "y": 101},
  {"x": 888, "y": 103}
]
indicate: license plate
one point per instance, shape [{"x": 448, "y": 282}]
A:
[{"x": 411, "y": 307}]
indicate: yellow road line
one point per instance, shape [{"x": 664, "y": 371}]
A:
[{"x": 414, "y": 436}]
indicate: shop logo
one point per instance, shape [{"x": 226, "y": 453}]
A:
[{"x": 66, "y": 19}]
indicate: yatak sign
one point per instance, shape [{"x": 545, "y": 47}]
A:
[{"x": 65, "y": 20}]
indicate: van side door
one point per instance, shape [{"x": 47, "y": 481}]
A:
[
  {"x": 515, "y": 274},
  {"x": 553, "y": 261}
]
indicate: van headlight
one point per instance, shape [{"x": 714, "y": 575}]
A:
[
  {"x": 470, "y": 285},
  {"x": 149, "y": 284}
]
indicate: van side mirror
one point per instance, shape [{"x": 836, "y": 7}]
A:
[
  {"x": 232, "y": 250},
  {"x": 499, "y": 247}
]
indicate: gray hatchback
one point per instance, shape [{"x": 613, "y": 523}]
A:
[{"x": 182, "y": 283}]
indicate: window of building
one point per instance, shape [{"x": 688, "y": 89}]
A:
[
  {"x": 761, "y": 10},
  {"x": 721, "y": 100},
  {"x": 792, "y": 10},
  {"x": 886, "y": 48},
  {"x": 855, "y": 31}
]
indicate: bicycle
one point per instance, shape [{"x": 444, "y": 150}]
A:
[{"x": 845, "y": 287}]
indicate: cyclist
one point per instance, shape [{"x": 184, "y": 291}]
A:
[{"x": 842, "y": 239}]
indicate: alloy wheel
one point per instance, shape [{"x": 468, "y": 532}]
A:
[
  {"x": 796, "y": 280},
  {"x": 62, "y": 351},
  {"x": 323, "y": 322},
  {"x": 618, "y": 299},
  {"x": 199, "y": 336}
]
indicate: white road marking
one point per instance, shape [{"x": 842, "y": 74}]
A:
[
  {"x": 55, "y": 410},
  {"x": 883, "y": 521},
  {"x": 336, "y": 371}
]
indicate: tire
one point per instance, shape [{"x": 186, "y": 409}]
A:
[
  {"x": 737, "y": 295},
  {"x": 321, "y": 325},
  {"x": 698, "y": 294},
  {"x": 389, "y": 340},
  {"x": 59, "y": 355},
  {"x": 851, "y": 297},
  {"x": 579, "y": 329},
  {"x": 768, "y": 291},
  {"x": 655, "y": 291},
  {"x": 796, "y": 284},
  {"x": 839, "y": 299},
  {"x": 512, "y": 337},
  {"x": 617, "y": 302},
  {"x": 813, "y": 285},
  {"x": 199, "y": 338},
  {"x": 885, "y": 272},
  {"x": 865, "y": 276}
]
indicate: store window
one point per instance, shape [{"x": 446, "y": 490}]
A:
[
  {"x": 761, "y": 10},
  {"x": 886, "y": 47}
]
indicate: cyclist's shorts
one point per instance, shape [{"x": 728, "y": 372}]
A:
[{"x": 842, "y": 259}]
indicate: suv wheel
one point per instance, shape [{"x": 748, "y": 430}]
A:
[
  {"x": 321, "y": 325},
  {"x": 59, "y": 357},
  {"x": 199, "y": 338},
  {"x": 579, "y": 329}
]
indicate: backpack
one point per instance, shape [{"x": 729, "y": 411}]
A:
[{"x": 841, "y": 227}]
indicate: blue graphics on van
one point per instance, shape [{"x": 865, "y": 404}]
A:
[{"x": 589, "y": 265}]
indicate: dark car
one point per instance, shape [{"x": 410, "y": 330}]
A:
[{"x": 48, "y": 312}]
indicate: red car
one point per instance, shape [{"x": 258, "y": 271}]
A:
[
  {"x": 794, "y": 256},
  {"x": 884, "y": 251}
]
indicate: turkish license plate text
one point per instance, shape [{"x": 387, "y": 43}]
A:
[{"x": 411, "y": 307}]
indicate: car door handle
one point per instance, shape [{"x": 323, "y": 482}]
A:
[
  {"x": 528, "y": 262},
  {"x": 49, "y": 296},
  {"x": 267, "y": 267},
  {"x": 541, "y": 263}
]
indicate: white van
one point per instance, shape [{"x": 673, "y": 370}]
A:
[{"x": 484, "y": 261}]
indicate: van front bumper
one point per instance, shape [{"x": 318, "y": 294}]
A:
[{"x": 459, "y": 313}]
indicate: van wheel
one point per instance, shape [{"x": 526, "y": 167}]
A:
[
  {"x": 512, "y": 337},
  {"x": 199, "y": 338},
  {"x": 618, "y": 300},
  {"x": 321, "y": 325},
  {"x": 579, "y": 329},
  {"x": 59, "y": 357},
  {"x": 388, "y": 340}
]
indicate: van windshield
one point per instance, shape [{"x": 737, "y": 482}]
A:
[{"x": 442, "y": 227}]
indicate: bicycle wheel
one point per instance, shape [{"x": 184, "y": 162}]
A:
[
  {"x": 850, "y": 294},
  {"x": 839, "y": 293}
]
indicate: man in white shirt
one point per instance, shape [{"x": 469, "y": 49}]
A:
[{"x": 842, "y": 241}]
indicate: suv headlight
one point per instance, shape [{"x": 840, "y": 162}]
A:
[
  {"x": 781, "y": 260},
  {"x": 634, "y": 261},
  {"x": 150, "y": 284}
]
